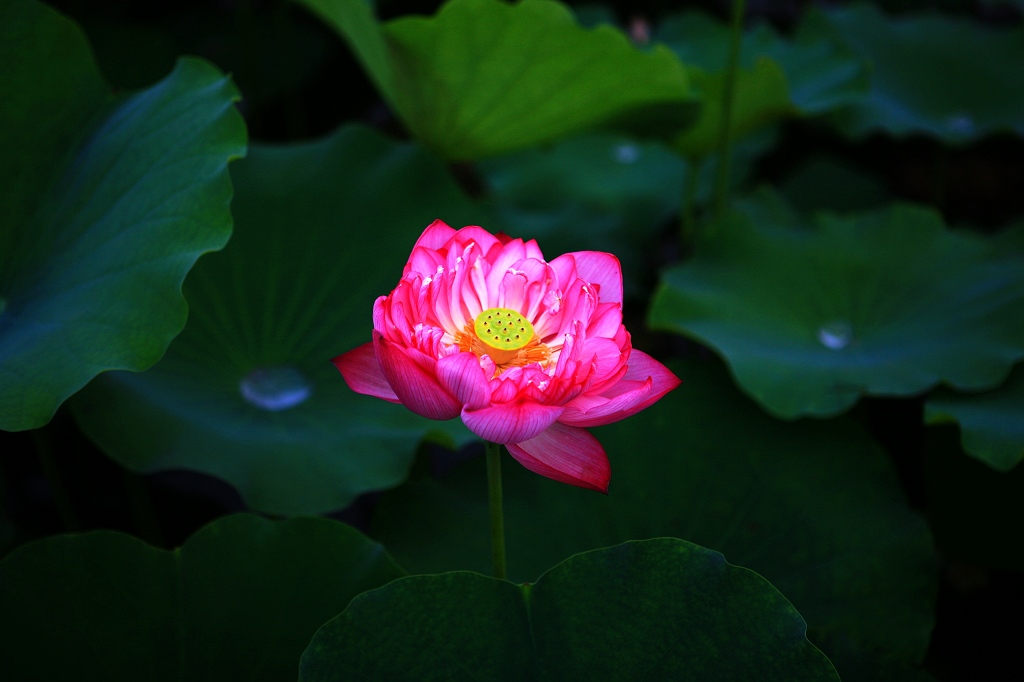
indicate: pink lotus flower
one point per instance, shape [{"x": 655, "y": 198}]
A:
[{"x": 527, "y": 352}]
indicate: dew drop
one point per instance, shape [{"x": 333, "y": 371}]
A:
[
  {"x": 627, "y": 153},
  {"x": 275, "y": 389},
  {"x": 835, "y": 335}
]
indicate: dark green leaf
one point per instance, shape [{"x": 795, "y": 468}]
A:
[
  {"x": 812, "y": 316},
  {"x": 603, "y": 192},
  {"x": 951, "y": 78},
  {"x": 599, "y": 192},
  {"x": 660, "y": 609},
  {"x": 247, "y": 392},
  {"x": 779, "y": 77},
  {"x": 107, "y": 204},
  {"x": 814, "y": 507},
  {"x": 760, "y": 99},
  {"x": 991, "y": 424},
  {"x": 484, "y": 77},
  {"x": 238, "y": 601}
]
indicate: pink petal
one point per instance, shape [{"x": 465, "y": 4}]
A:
[
  {"x": 538, "y": 277},
  {"x": 484, "y": 239},
  {"x": 506, "y": 388},
  {"x": 464, "y": 299},
  {"x": 605, "y": 354},
  {"x": 380, "y": 314},
  {"x": 567, "y": 455},
  {"x": 533, "y": 251},
  {"x": 606, "y": 320},
  {"x": 646, "y": 380},
  {"x": 579, "y": 301},
  {"x": 437, "y": 234},
  {"x": 640, "y": 366},
  {"x": 598, "y": 410},
  {"x": 362, "y": 373},
  {"x": 511, "y": 291},
  {"x": 509, "y": 254},
  {"x": 564, "y": 269},
  {"x": 511, "y": 422},
  {"x": 424, "y": 261},
  {"x": 602, "y": 269},
  {"x": 415, "y": 388},
  {"x": 463, "y": 377}
]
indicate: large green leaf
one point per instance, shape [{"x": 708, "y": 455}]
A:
[
  {"x": 107, "y": 203},
  {"x": 238, "y": 601},
  {"x": 484, "y": 77},
  {"x": 779, "y": 77},
  {"x": 660, "y": 609},
  {"x": 812, "y": 316},
  {"x": 991, "y": 424},
  {"x": 814, "y": 507},
  {"x": 247, "y": 392},
  {"x": 951, "y": 78}
]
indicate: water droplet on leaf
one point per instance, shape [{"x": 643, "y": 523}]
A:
[
  {"x": 836, "y": 335},
  {"x": 627, "y": 153},
  {"x": 275, "y": 388}
]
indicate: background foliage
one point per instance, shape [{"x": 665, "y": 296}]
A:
[{"x": 845, "y": 306}]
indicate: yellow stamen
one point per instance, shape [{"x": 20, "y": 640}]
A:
[{"x": 506, "y": 337}]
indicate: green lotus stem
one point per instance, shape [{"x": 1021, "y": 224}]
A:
[
  {"x": 688, "y": 225},
  {"x": 497, "y": 517},
  {"x": 725, "y": 124}
]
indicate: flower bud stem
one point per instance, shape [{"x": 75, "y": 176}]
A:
[
  {"x": 497, "y": 518},
  {"x": 725, "y": 121}
]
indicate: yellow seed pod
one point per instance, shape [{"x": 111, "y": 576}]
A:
[{"x": 503, "y": 329}]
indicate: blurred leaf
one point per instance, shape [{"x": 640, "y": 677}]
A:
[
  {"x": 812, "y": 316},
  {"x": 779, "y": 77},
  {"x": 975, "y": 512},
  {"x": 603, "y": 192},
  {"x": 599, "y": 192},
  {"x": 660, "y": 609},
  {"x": 991, "y": 424},
  {"x": 951, "y": 78},
  {"x": 826, "y": 183},
  {"x": 485, "y": 77},
  {"x": 590, "y": 16},
  {"x": 247, "y": 392},
  {"x": 823, "y": 74},
  {"x": 814, "y": 507},
  {"x": 107, "y": 203},
  {"x": 238, "y": 601},
  {"x": 759, "y": 100}
]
